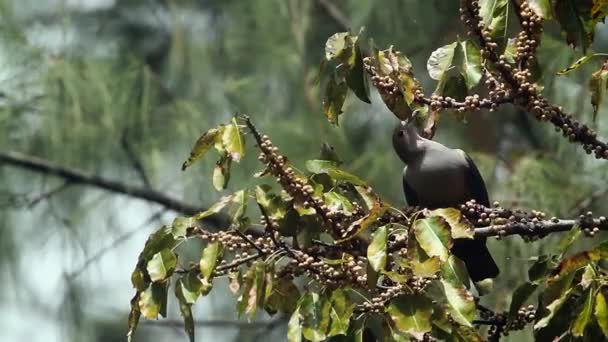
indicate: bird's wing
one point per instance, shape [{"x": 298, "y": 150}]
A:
[
  {"x": 410, "y": 195},
  {"x": 475, "y": 183}
]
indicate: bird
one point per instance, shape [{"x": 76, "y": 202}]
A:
[{"x": 436, "y": 176}]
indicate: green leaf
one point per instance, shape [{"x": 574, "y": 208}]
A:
[
  {"x": 331, "y": 168},
  {"x": 153, "y": 300},
  {"x": 470, "y": 67},
  {"x": 185, "y": 308},
  {"x": 190, "y": 287},
  {"x": 440, "y": 61},
  {"x": 208, "y": 260},
  {"x": 162, "y": 265},
  {"x": 157, "y": 241},
  {"x": 180, "y": 226},
  {"x": 335, "y": 95},
  {"x": 511, "y": 50},
  {"x": 202, "y": 145},
  {"x": 315, "y": 311},
  {"x": 357, "y": 76},
  {"x": 520, "y": 296},
  {"x": 294, "y": 327},
  {"x": 337, "y": 202},
  {"x": 361, "y": 225},
  {"x": 233, "y": 141},
  {"x": 601, "y": 311},
  {"x": 461, "y": 303},
  {"x": 341, "y": 311},
  {"x": 239, "y": 209},
  {"x": 567, "y": 13},
  {"x": 566, "y": 242},
  {"x": 460, "y": 227},
  {"x": 455, "y": 272},
  {"x": 273, "y": 204},
  {"x": 221, "y": 172},
  {"x": 494, "y": 15},
  {"x": 584, "y": 316},
  {"x": 337, "y": 45},
  {"x": 138, "y": 279},
  {"x": 542, "y": 267},
  {"x": 597, "y": 86},
  {"x": 578, "y": 63},
  {"x": 580, "y": 260},
  {"x": 284, "y": 296},
  {"x": 552, "y": 308},
  {"x": 411, "y": 314},
  {"x": 215, "y": 208},
  {"x": 542, "y": 8},
  {"x": 376, "y": 251},
  {"x": 427, "y": 268},
  {"x": 434, "y": 237}
]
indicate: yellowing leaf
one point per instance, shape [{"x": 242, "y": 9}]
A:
[
  {"x": 461, "y": 303},
  {"x": 578, "y": 63},
  {"x": 233, "y": 141},
  {"x": 460, "y": 227},
  {"x": 201, "y": 146},
  {"x": 597, "y": 86},
  {"x": 153, "y": 300},
  {"x": 335, "y": 95},
  {"x": 209, "y": 259},
  {"x": 411, "y": 314},
  {"x": 440, "y": 61},
  {"x": 470, "y": 67},
  {"x": 162, "y": 265},
  {"x": 434, "y": 237},
  {"x": 584, "y": 316},
  {"x": 601, "y": 311}
]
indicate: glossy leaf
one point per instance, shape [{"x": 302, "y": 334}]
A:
[
  {"x": 357, "y": 76},
  {"x": 239, "y": 208},
  {"x": 460, "y": 227},
  {"x": 162, "y": 265},
  {"x": 337, "y": 202},
  {"x": 362, "y": 224},
  {"x": 461, "y": 303},
  {"x": 202, "y": 145},
  {"x": 542, "y": 267},
  {"x": 426, "y": 268},
  {"x": 138, "y": 279},
  {"x": 411, "y": 314},
  {"x": 520, "y": 296},
  {"x": 434, "y": 236},
  {"x": 134, "y": 316},
  {"x": 159, "y": 240},
  {"x": 440, "y": 61},
  {"x": 190, "y": 287},
  {"x": 376, "y": 251},
  {"x": 601, "y": 311},
  {"x": 284, "y": 296}
]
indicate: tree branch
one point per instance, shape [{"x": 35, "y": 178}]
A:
[
  {"x": 335, "y": 13},
  {"x": 76, "y": 176}
]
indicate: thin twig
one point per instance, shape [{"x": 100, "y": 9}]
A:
[
  {"x": 135, "y": 161},
  {"x": 47, "y": 194}
]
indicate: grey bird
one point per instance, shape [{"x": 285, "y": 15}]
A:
[{"x": 436, "y": 176}]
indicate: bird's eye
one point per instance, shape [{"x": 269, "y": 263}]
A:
[{"x": 400, "y": 133}]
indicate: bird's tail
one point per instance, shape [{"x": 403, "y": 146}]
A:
[{"x": 477, "y": 258}]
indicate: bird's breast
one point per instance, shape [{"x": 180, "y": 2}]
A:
[{"x": 437, "y": 186}]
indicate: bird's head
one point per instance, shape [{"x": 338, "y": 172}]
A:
[{"x": 406, "y": 140}]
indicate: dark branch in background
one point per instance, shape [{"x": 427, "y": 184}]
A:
[
  {"x": 47, "y": 194},
  {"x": 76, "y": 176},
  {"x": 135, "y": 161},
  {"x": 335, "y": 13},
  {"x": 219, "y": 323}
]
